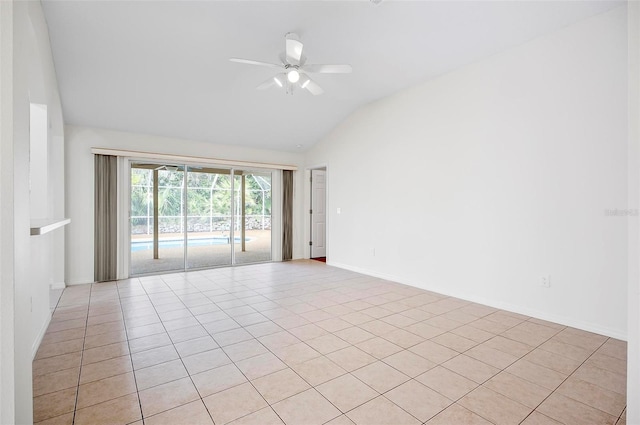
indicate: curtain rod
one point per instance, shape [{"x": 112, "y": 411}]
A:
[{"x": 190, "y": 159}]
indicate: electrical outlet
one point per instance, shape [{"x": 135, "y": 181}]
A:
[
  {"x": 373, "y": 252},
  {"x": 338, "y": 210},
  {"x": 545, "y": 281}
]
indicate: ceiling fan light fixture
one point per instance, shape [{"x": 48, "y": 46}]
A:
[
  {"x": 293, "y": 75},
  {"x": 294, "y": 68}
]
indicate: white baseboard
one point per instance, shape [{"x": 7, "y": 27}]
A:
[
  {"x": 38, "y": 340},
  {"x": 538, "y": 314},
  {"x": 75, "y": 283},
  {"x": 58, "y": 285}
]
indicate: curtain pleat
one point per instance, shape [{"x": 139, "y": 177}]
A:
[
  {"x": 287, "y": 215},
  {"x": 105, "y": 232}
]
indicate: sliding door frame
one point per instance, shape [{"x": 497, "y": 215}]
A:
[
  {"x": 124, "y": 244},
  {"x": 125, "y": 212},
  {"x": 124, "y": 217}
]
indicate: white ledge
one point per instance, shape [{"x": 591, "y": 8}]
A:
[{"x": 40, "y": 227}]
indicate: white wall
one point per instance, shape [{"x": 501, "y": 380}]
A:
[
  {"x": 477, "y": 183},
  {"x": 26, "y": 261},
  {"x": 633, "y": 347},
  {"x": 80, "y": 185},
  {"x": 7, "y": 320}
]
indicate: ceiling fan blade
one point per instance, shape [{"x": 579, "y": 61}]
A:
[
  {"x": 293, "y": 49},
  {"x": 278, "y": 80},
  {"x": 327, "y": 69},
  {"x": 313, "y": 88},
  {"x": 252, "y": 62},
  {"x": 267, "y": 84}
]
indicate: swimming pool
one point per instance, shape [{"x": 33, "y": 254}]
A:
[{"x": 179, "y": 243}]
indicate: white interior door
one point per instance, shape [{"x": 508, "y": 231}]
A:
[{"x": 318, "y": 214}]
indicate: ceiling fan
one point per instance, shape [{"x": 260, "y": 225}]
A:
[{"x": 295, "y": 69}]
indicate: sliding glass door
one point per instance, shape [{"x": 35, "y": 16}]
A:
[
  {"x": 208, "y": 218},
  {"x": 189, "y": 217},
  {"x": 157, "y": 227},
  {"x": 252, "y": 194}
]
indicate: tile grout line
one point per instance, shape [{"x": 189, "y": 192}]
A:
[
  {"x": 564, "y": 380},
  {"x": 220, "y": 347},
  {"x": 621, "y": 414},
  {"x": 382, "y": 360},
  {"x": 250, "y": 381},
  {"x": 234, "y": 364},
  {"x": 460, "y": 353},
  {"x": 81, "y": 353},
  {"x": 208, "y": 333},
  {"x": 126, "y": 332},
  {"x": 119, "y": 306},
  {"x": 179, "y": 357},
  {"x": 477, "y": 343},
  {"x": 75, "y": 406},
  {"x": 504, "y": 369},
  {"x": 380, "y": 394},
  {"x": 184, "y": 290}
]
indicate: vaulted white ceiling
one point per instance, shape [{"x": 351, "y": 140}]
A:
[{"x": 162, "y": 68}]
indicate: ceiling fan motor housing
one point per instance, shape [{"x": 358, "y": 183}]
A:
[{"x": 295, "y": 68}]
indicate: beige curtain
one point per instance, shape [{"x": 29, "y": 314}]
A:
[
  {"x": 287, "y": 215},
  {"x": 105, "y": 232}
]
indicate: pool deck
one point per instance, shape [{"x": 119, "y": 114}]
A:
[
  {"x": 256, "y": 250},
  {"x": 192, "y": 235}
]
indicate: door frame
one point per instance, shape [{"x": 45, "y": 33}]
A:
[
  {"x": 124, "y": 215},
  {"x": 307, "y": 203}
]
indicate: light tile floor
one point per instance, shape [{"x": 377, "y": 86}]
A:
[{"x": 306, "y": 343}]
